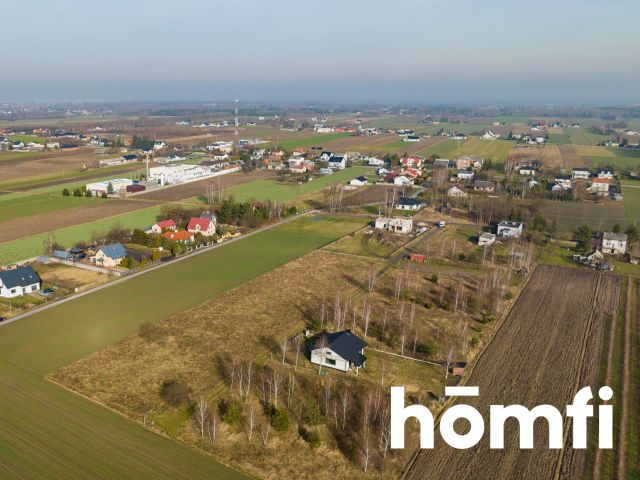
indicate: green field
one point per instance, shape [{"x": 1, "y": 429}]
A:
[
  {"x": 33, "y": 246},
  {"x": 570, "y": 215},
  {"x": 577, "y": 136},
  {"x": 263, "y": 190},
  {"x": 617, "y": 158},
  {"x": 632, "y": 203},
  {"x": 47, "y": 432},
  {"x": 306, "y": 142},
  {"x": 495, "y": 150},
  {"x": 16, "y": 205},
  {"x": 26, "y": 139}
]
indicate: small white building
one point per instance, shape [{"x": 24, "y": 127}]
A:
[
  {"x": 395, "y": 225},
  {"x": 340, "y": 350},
  {"x": 19, "y": 281},
  {"x": 580, "y": 173},
  {"x": 117, "y": 184},
  {"x": 402, "y": 180},
  {"x": 359, "y": 181},
  {"x": 509, "y": 229},
  {"x": 376, "y": 162},
  {"x": 526, "y": 170},
  {"x": 486, "y": 239},
  {"x": 456, "y": 192},
  {"x": 614, "y": 243},
  {"x": 465, "y": 175}
]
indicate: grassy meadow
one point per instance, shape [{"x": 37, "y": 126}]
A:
[{"x": 48, "y": 432}]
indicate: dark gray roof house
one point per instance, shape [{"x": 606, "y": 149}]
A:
[
  {"x": 19, "y": 281},
  {"x": 348, "y": 345}
]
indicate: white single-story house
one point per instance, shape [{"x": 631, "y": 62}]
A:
[
  {"x": 406, "y": 203},
  {"x": 484, "y": 186},
  {"x": 465, "y": 175},
  {"x": 510, "y": 229},
  {"x": 382, "y": 171},
  {"x": 614, "y": 243},
  {"x": 340, "y": 350},
  {"x": 359, "y": 181},
  {"x": 376, "y": 162},
  {"x": 163, "y": 225},
  {"x": 109, "y": 255},
  {"x": 486, "y": 239},
  {"x": 581, "y": 173},
  {"x": 402, "y": 180},
  {"x": 396, "y": 225},
  {"x": 19, "y": 281}
]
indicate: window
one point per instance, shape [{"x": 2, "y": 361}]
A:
[{"x": 329, "y": 361}]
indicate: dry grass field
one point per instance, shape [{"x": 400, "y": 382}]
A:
[
  {"x": 542, "y": 354},
  {"x": 39, "y": 164}
]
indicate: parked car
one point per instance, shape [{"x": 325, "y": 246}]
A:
[
  {"x": 2, "y": 319},
  {"x": 47, "y": 291}
]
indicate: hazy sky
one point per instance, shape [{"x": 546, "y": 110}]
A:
[{"x": 337, "y": 50}]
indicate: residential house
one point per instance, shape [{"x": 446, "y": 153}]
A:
[
  {"x": 465, "y": 175},
  {"x": 510, "y": 229},
  {"x": 395, "y": 225},
  {"x": 484, "y": 186},
  {"x": 489, "y": 135},
  {"x": 459, "y": 136},
  {"x": 406, "y": 203},
  {"x": 402, "y": 180},
  {"x": 109, "y": 255},
  {"x": 580, "y": 173},
  {"x": 159, "y": 145},
  {"x": 411, "y": 138},
  {"x": 456, "y": 192},
  {"x": 340, "y": 350},
  {"x": 326, "y": 171},
  {"x": 605, "y": 173},
  {"x": 467, "y": 162},
  {"x": 359, "y": 181},
  {"x": 564, "y": 181},
  {"x": 17, "y": 145},
  {"x": 441, "y": 163},
  {"x": 163, "y": 225},
  {"x": 204, "y": 226},
  {"x": 382, "y": 171},
  {"x": 182, "y": 236},
  {"x": 486, "y": 239},
  {"x": 614, "y": 243},
  {"x": 600, "y": 186},
  {"x": 414, "y": 161},
  {"x": 19, "y": 281},
  {"x": 337, "y": 162},
  {"x": 376, "y": 162},
  {"x": 525, "y": 170}
]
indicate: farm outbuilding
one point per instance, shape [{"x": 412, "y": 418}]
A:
[
  {"x": 135, "y": 187},
  {"x": 416, "y": 257}
]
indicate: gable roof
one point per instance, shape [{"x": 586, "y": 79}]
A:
[
  {"x": 19, "y": 277},
  {"x": 179, "y": 236},
  {"x": 166, "y": 224},
  {"x": 347, "y": 345},
  {"x": 409, "y": 201},
  {"x": 202, "y": 222},
  {"x": 115, "y": 251},
  {"x": 336, "y": 159}
]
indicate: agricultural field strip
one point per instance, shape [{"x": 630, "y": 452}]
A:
[
  {"x": 41, "y": 343},
  {"x": 542, "y": 333}
]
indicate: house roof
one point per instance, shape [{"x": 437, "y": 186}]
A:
[
  {"x": 202, "y": 222},
  {"x": 115, "y": 251},
  {"x": 166, "y": 224},
  {"x": 336, "y": 159},
  {"x": 361, "y": 178},
  {"x": 179, "y": 236},
  {"x": 619, "y": 237},
  {"x": 19, "y": 277},
  {"x": 347, "y": 345},
  {"x": 510, "y": 224},
  {"x": 601, "y": 180},
  {"x": 409, "y": 201},
  {"x": 483, "y": 184}
]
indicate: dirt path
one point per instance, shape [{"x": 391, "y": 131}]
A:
[
  {"x": 626, "y": 379},
  {"x": 597, "y": 463}
]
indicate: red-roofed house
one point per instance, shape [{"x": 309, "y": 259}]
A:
[
  {"x": 179, "y": 236},
  {"x": 163, "y": 225},
  {"x": 414, "y": 161},
  {"x": 410, "y": 172},
  {"x": 600, "y": 186},
  {"x": 205, "y": 226}
]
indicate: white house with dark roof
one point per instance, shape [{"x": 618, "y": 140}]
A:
[
  {"x": 509, "y": 229},
  {"x": 19, "y": 281},
  {"x": 406, "y": 203},
  {"x": 614, "y": 243},
  {"x": 340, "y": 350}
]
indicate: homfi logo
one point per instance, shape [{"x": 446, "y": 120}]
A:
[{"x": 579, "y": 411}]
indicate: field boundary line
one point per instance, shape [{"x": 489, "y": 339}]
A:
[{"x": 626, "y": 379}]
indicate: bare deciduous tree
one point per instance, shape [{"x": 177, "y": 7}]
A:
[{"x": 201, "y": 414}]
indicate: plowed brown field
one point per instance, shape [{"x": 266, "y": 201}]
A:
[{"x": 547, "y": 349}]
